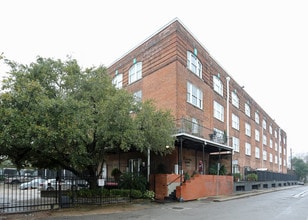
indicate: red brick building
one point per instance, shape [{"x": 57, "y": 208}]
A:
[{"x": 217, "y": 120}]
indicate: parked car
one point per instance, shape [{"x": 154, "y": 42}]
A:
[
  {"x": 52, "y": 184},
  {"x": 17, "y": 179},
  {"x": 33, "y": 184}
]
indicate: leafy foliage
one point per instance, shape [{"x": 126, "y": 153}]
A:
[
  {"x": 133, "y": 181},
  {"x": 252, "y": 177},
  {"x": 300, "y": 168},
  {"x": 214, "y": 167},
  {"x": 54, "y": 114}
]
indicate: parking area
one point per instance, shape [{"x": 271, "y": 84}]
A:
[{"x": 13, "y": 199}]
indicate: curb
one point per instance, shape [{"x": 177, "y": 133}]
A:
[{"x": 249, "y": 194}]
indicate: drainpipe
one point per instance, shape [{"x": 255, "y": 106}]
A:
[
  {"x": 261, "y": 156},
  {"x": 228, "y": 97},
  {"x": 149, "y": 161},
  {"x": 203, "y": 158},
  {"x": 279, "y": 170}
]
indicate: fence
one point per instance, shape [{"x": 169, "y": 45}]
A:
[
  {"x": 27, "y": 194},
  {"x": 272, "y": 176}
]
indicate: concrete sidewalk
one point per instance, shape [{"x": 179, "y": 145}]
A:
[{"x": 240, "y": 195}]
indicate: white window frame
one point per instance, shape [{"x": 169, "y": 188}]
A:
[
  {"x": 257, "y": 118},
  {"x": 218, "y": 111},
  {"x": 235, "y": 122},
  {"x": 247, "y": 149},
  {"x": 247, "y": 109},
  {"x": 257, "y": 152},
  {"x": 138, "y": 96},
  {"x": 247, "y": 129},
  {"x": 193, "y": 64},
  {"x": 271, "y": 158},
  {"x": 264, "y": 124},
  {"x": 257, "y": 135},
  {"x": 271, "y": 143},
  {"x": 264, "y": 139},
  {"x": 135, "y": 72},
  {"x": 118, "y": 80},
  {"x": 194, "y": 95},
  {"x": 218, "y": 86},
  {"x": 264, "y": 155},
  {"x": 235, "y": 100},
  {"x": 236, "y": 144},
  {"x": 219, "y": 135},
  {"x": 194, "y": 126}
]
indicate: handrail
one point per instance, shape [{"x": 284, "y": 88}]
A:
[{"x": 174, "y": 180}]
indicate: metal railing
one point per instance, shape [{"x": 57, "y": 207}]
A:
[
  {"x": 188, "y": 126},
  {"x": 44, "y": 194}
]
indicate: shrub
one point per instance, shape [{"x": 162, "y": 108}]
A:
[
  {"x": 252, "y": 177},
  {"x": 116, "y": 173},
  {"x": 136, "y": 194},
  {"x": 236, "y": 177},
  {"x": 133, "y": 181},
  {"x": 149, "y": 195},
  {"x": 213, "y": 169}
]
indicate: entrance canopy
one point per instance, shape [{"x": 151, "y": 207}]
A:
[{"x": 193, "y": 142}]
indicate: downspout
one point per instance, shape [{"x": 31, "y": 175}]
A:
[
  {"x": 148, "y": 168},
  {"x": 180, "y": 160},
  {"x": 203, "y": 158},
  {"x": 228, "y": 109},
  {"x": 279, "y": 133}
]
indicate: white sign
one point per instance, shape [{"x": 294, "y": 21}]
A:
[{"x": 101, "y": 182}]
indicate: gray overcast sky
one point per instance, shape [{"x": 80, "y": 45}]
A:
[{"x": 262, "y": 44}]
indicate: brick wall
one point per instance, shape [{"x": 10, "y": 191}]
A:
[
  {"x": 164, "y": 79},
  {"x": 197, "y": 187},
  {"x": 205, "y": 185}
]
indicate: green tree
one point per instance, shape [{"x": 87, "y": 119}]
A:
[
  {"x": 300, "y": 168},
  {"x": 55, "y": 114}
]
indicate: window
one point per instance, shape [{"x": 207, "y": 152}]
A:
[
  {"x": 194, "y": 126},
  {"x": 271, "y": 157},
  {"x": 235, "y": 122},
  {"x": 235, "y": 100},
  {"x": 264, "y": 140},
  {"x": 257, "y": 152},
  {"x": 218, "y": 111},
  {"x": 276, "y": 146},
  {"x": 219, "y": 136},
  {"x": 135, "y": 72},
  {"x": 257, "y": 135},
  {"x": 218, "y": 86},
  {"x": 247, "y": 109},
  {"x": 264, "y": 124},
  {"x": 236, "y": 144},
  {"x": 194, "y": 95},
  {"x": 117, "y": 81},
  {"x": 247, "y": 129},
  {"x": 271, "y": 143},
  {"x": 264, "y": 155},
  {"x": 270, "y": 129},
  {"x": 247, "y": 149},
  {"x": 276, "y": 159},
  {"x": 138, "y": 96},
  {"x": 257, "y": 118},
  {"x": 275, "y": 134},
  {"x": 193, "y": 64}
]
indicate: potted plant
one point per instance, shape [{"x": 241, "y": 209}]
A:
[{"x": 236, "y": 177}]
